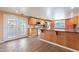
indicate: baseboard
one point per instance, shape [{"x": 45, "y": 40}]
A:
[
  {"x": 59, "y": 45},
  {"x": 13, "y": 39}
]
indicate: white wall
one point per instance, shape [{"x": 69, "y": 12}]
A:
[{"x": 41, "y": 12}]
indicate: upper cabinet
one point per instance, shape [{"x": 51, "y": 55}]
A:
[
  {"x": 42, "y": 22},
  {"x": 32, "y": 21},
  {"x": 75, "y": 20}
]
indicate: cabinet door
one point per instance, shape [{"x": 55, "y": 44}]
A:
[
  {"x": 61, "y": 38},
  {"x": 32, "y": 32},
  {"x": 73, "y": 40},
  {"x": 45, "y": 35},
  {"x": 53, "y": 36},
  {"x": 49, "y": 36},
  {"x": 32, "y": 21}
]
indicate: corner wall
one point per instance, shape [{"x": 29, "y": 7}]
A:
[{"x": 1, "y": 26}]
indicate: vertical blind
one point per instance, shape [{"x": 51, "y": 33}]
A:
[{"x": 14, "y": 27}]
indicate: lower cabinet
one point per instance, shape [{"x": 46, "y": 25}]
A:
[
  {"x": 68, "y": 39},
  {"x": 53, "y": 36},
  {"x": 49, "y": 36},
  {"x": 73, "y": 40},
  {"x": 45, "y": 35},
  {"x": 61, "y": 38},
  {"x": 32, "y": 32}
]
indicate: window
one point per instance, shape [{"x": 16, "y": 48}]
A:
[{"x": 60, "y": 24}]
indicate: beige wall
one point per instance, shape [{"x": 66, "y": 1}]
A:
[{"x": 1, "y": 26}]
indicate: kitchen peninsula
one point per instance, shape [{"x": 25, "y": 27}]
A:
[{"x": 63, "y": 37}]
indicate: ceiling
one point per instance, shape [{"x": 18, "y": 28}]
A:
[{"x": 44, "y": 12}]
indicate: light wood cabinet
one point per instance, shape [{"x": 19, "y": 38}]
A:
[
  {"x": 32, "y": 32},
  {"x": 73, "y": 40},
  {"x": 42, "y": 22},
  {"x": 46, "y": 35},
  {"x": 64, "y": 38},
  {"x": 49, "y": 36},
  {"x": 53, "y": 36},
  {"x": 61, "y": 38},
  {"x": 32, "y": 21}
]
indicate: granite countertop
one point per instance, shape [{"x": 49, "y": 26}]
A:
[{"x": 65, "y": 30}]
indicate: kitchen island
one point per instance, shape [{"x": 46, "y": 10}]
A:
[{"x": 63, "y": 37}]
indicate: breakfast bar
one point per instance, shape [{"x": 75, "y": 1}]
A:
[{"x": 63, "y": 37}]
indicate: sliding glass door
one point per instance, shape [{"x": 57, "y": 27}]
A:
[
  {"x": 14, "y": 27},
  {"x": 21, "y": 27}
]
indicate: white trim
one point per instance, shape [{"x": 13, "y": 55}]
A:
[
  {"x": 13, "y": 39},
  {"x": 59, "y": 45}
]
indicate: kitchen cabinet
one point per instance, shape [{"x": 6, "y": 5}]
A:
[
  {"x": 42, "y": 22},
  {"x": 65, "y": 38},
  {"x": 32, "y": 21},
  {"x": 61, "y": 38},
  {"x": 32, "y": 32},
  {"x": 53, "y": 36},
  {"x": 49, "y": 36},
  {"x": 73, "y": 40},
  {"x": 46, "y": 35}
]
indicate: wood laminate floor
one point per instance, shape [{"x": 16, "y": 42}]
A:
[{"x": 29, "y": 45}]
